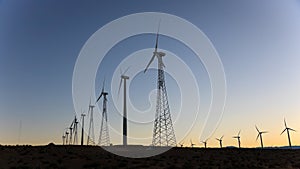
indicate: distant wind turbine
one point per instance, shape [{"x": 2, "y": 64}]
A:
[
  {"x": 192, "y": 144},
  {"x": 287, "y": 129},
  {"x": 181, "y": 144},
  {"x": 205, "y": 143},
  {"x": 260, "y": 136},
  {"x": 63, "y": 138},
  {"x": 220, "y": 140},
  {"x": 238, "y": 138},
  {"x": 67, "y": 135}
]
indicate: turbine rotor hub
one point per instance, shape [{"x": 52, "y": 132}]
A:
[{"x": 160, "y": 54}]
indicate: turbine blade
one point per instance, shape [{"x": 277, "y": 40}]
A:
[
  {"x": 264, "y": 132},
  {"x": 157, "y": 34},
  {"x": 282, "y": 131},
  {"x": 126, "y": 70},
  {"x": 257, "y": 137},
  {"x": 239, "y": 133},
  {"x": 285, "y": 123},
  {"x": 221, "y": 137},
  {"x": 151, "y": 60},
  {"x": 156, "y": 43},
  {"x": 256, "y": 128},
  {"x": 99, "y": 97},
  {"x": 119, "y": 87},
  {"x": 292, "y": 130},
  {"x": 103, "y": 85},
  {"x": 102, "y": 91}
]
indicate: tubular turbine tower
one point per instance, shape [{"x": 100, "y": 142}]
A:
[{"x": 163, "y": 132}]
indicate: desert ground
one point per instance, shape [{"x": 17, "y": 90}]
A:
[{"x": 61, "y": 157}]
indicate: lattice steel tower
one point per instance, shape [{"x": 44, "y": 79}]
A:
[
  {"x": 104, "y": 130},
  {"x": 163, "y": 132},
  {"x": 91, "y": 135}
]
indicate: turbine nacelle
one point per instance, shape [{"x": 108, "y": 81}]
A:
[
  {"x": 181, "y": 144},
  {"x": 102, "y": 92},
  {"x": 124, "y": 77},
  {"x": 159, "y": 54},
  {"x": 287, "y": 128},
  {"x": 220, "y": 139},
  {"x": 238, "y": 136}
]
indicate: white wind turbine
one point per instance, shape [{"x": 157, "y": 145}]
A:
[{"x": 123, "y": 79}]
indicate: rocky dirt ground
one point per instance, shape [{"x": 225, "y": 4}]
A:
[{"x": 61, "y": 157}]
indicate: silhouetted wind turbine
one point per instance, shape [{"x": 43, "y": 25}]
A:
[
  {"x": 67, "y": 134},
  {"x": 82, "y": 128},
  {"x": 220, "y": 140},
  {"x": 287, "y": 129},
  {"x": 260, "y": 136},
  {"x": 63, "y": 138},
  {"x": 205, "y": 143},
  {"x": 124, "y": 78},
  {"x": 192, "y": 144},
  {"x": 238, "y": 138},
  {"x": 71, "y": 132}
]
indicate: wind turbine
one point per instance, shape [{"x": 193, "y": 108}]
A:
[
  {"x": 67, "y": 134},
  {"x": 260, "y": 136},
  {"x": 75, "y": 131},
  {"x": 82, "y": 128},
  {"x": 287, "y": 129},
  {"x": 205, "y": 143},
  {"x": 63, "y": 138},
  {"x": 192, "y": 144},
  {"x": 163, "y": 131},
  {"x": 238, "y": 138},
  {"x": 104, "y": 131},
  {"x": 71, "y": 132},
  {"x": 123, "y": 79},
  {"x": 220, "y": 140},
  {"x": 91, "y": 135}
]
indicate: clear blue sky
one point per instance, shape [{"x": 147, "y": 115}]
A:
[{"x": 258, "y": 43}]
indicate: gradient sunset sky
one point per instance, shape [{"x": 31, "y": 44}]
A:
[{"x": 258, "y": 43}]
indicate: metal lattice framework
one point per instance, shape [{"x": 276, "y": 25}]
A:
[
  {"x": 104, "y": 131},
  {"x": 91, "y": 135},
  {"x": 163, "y": 132}
]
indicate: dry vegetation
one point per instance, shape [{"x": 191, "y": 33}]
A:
[{"x": 61, "y": 157}]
